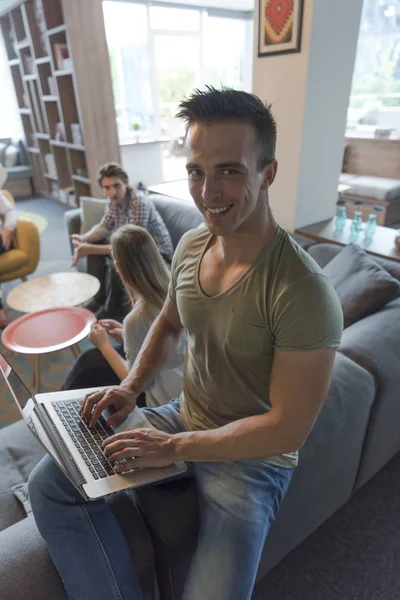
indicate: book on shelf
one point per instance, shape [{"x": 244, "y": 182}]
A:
[
  {"x": 54, "y": 189},
  {"x": 61, "y": 55},
  {"x": 80, "y": 172},
  {"x": 67, "y": 195},
  {"x": 60, "y": 132},
  {"x": 29, "y": 64},
  {"x": 50, "y": 165},
  {"x": 52, "y": 86},
  {"x": 76, "y": 134},
  {"x": 33, "y": 143}
]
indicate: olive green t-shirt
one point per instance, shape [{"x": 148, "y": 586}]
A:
[{"x": 282, "y": 301}]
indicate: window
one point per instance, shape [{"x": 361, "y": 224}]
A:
[
  {"x": 375, "y": 93},
  {"x": 228, "y": 62},
  {"x": 127, "y": 39},
  {"x": 159, "y": 54},
  {"x": 10, "y": 121}
]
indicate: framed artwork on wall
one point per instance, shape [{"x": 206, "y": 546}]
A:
[{"x": 280, "y": 26}]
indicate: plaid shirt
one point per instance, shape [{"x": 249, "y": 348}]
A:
[{"x": 139, "y": 211}]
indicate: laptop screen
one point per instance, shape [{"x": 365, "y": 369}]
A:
[{"x": 19, "y": 390}]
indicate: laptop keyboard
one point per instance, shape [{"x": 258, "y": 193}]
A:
[{"x": 87, "y": 441}]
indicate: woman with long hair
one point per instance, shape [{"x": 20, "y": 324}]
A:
[{"x": 146, "y": 278}]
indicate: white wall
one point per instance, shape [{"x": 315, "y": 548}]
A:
[
  {"x": 143, "y": 162},
  {"x": 282, "y": 81},
  {"x": 309, "y": 92}
]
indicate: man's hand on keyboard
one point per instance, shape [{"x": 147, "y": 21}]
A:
[
  {"x": 140, "y": 448},
  {"x": 94, "y": 404}
]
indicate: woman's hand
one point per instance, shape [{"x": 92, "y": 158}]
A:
[
  {"x": 114, "y": 329},
  {"x": 6, "y": 236},
  {"x": 98, "y": 336}
]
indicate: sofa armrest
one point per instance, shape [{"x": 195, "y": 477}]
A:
[
  {"x": 28, "y": 240},
  {"x": 374, "y": 343},
  {"x": 73, "y": 221},
  {"x": 26, "y": 569}
]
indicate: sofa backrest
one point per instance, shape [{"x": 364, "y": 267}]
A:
[
  {"x": 178, "y": 215},
  {"x": 323, "y": 253},
  {"x": 22, "y": 159}
]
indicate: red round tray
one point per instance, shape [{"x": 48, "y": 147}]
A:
[{"x": 48, "y": 330}]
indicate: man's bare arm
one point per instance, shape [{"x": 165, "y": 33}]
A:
[
  {"x": 98, "y": 248},
  {"x": 158, "y": 346},
  {"x": 299, "y": 385},
  {"x": 97, "y": 233}
]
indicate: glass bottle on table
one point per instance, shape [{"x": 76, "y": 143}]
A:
[
  {"x": 370, "y": 227},
  {"x": 377, "y": 208},
  {"x": 357, "y": 222},
  {"x": 372, "y": 222},
  {"x": 340, "y": 221}
]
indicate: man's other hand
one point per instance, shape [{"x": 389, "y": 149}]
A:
[
  {"x": 123, "y": 401},
  {"x": 80, "y": 252},
  {"x": 140, "y": 448},
  {"x": 76, "y": 239}
]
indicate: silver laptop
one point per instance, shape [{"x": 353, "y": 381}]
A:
[{"x": 54, "y": 419}]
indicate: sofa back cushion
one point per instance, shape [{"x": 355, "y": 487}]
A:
[
  {"x": 323, "y": 253},
  {"x": 178, "y": 215},
  {"x": 362, "y": 285},
  {"x": 92, "y": 212}
]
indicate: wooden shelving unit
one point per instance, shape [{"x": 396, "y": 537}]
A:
[{"x": 63, "y": 87}]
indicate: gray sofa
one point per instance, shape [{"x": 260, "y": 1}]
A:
[
  {"x": 357, "y": 432},
  {"x": 21, "y": 171}
]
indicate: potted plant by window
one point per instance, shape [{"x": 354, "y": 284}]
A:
[{"x": 136, "y": 128}]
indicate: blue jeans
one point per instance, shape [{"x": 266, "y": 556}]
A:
[{"x": 238, "y": 501}]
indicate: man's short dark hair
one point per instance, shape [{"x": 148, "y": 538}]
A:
[
  {"x": 213, "y": 106},
  {"x": 111, "y": 169}
]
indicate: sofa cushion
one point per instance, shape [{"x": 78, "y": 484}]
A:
[
  {"x": 19, "y": 453},
  {"x": 92, "y": 212},
  {"x": 18, "y": 173},
  {"x": 178, "y": 215},
  {"x": 363, "y": 286},
  {"x": 11, "y": 156},
  {"x": 378, "y": 188},
  {"x": 3, "y": 147},
  {"x": 348, "y": 178},
  {"x": 323, "y": 253},
  {"x": 22, "y": 153}
]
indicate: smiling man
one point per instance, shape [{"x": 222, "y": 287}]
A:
[{"x": 263, "y": 324}]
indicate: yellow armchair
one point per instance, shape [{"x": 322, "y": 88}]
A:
[{"x": 23, "y": 258}]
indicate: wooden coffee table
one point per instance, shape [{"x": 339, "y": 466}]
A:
[
  {"x": 53, "y": 291},
  {"x": 382, "y": 244}
]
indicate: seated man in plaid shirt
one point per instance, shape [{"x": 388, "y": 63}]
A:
[{"x": 125, "y": 207}]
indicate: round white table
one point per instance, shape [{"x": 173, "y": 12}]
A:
[{"x": 53, "y": 291}]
